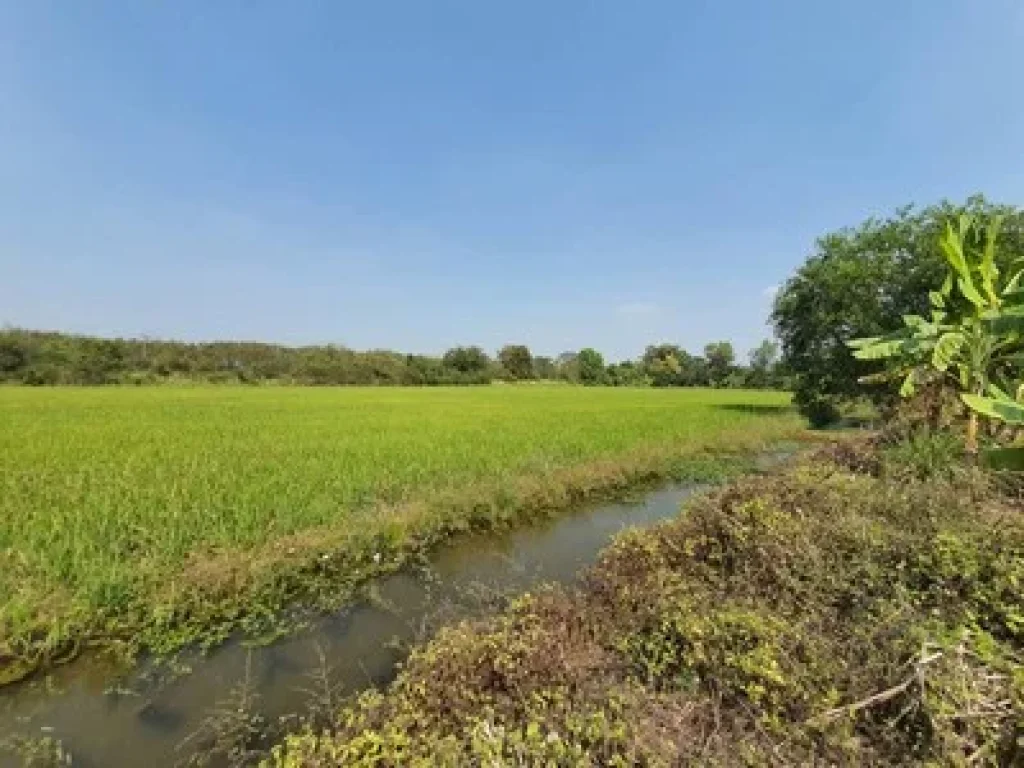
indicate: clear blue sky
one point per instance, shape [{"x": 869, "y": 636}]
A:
[{"x": 413, "y": 175}]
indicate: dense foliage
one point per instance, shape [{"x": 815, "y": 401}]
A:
[
  {"x": 972, "y": 337},
  {"x": 860, "y": 282},
  {"x": 45, "y": 358},
  {"x": 829, "y": 616}
]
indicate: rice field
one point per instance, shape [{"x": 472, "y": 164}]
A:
[{"x": 107, "y": 495}]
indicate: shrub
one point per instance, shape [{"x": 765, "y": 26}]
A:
[
  {"x": 925, "y": 456},
  {"x": 820, "y": 411}
]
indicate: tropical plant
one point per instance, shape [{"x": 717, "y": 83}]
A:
[
  {"x": 999, "y": 406},
  {"x": 860, "y": 281},
  {"x": 973, "y": 333}
]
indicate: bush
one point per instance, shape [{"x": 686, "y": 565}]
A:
[
  {"x": 820, "y": 411},
  {"x": 925, "y": 456}
]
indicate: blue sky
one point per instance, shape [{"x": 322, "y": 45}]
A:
[{"x": 414, "y": 175}]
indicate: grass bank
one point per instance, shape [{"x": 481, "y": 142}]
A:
[
  {"x": 825, "y": 616},
  {"x": 156, "y": 517}
]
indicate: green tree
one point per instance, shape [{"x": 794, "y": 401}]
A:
[
  {"x": 544, "y": 368},
  {"x": 694, "y": 371},
  {"x": 424, "y": 371},
  {"x": 663, "y": 364},
  {"x": 516, "y": 361},
  {"x": 13, "y": 357},
  {"x": 468, "y": 360},
  {"x": 591, "y": 364},
  {"x": 860, "y": 282},
  {"x": 720, "y": 358},
  {"x": 764, "y": 361},
  {"x": 626, "y": 374},
  {"x": 568, "y": 366}
]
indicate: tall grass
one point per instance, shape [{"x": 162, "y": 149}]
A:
[{"x": 103, "y": 488}]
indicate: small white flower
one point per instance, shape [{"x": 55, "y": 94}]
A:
[{"x": 376, "y": 557}]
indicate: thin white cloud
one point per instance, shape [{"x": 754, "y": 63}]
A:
[{"x": 637, "y": 309}]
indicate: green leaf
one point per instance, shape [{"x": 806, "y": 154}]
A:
[
  {"x": 970, "y": 292},
  {"x": 966, "y": 222},
  {"x": 953, "y": 249},
  {"x": 1010, "y": 459},
  {"x": 995, "y": 313},
  {"x": 880, "y": 350},
  {"x": 889, "y": 374},
  {"x": 901, "y": 342},
  {"x": 1014, "y": 283},
  {"x": 946, "y": 349},
  {"x": 937, "y": 299},
  {"x": 1001, "y": 410},
  {"x": 963, "y": 376},
  {"x": 914, "y": 321},
  {"x": 919, "y": 326},
  {"x": 863, "y": 342},
  {"x": 947, "y": 284},
  {"x": 1005, "y": 320},
  {"x": 1014, "y": 292},
  {"x": 988, "y": 269},
  {"x": 998, "y": 393},
  {"x": 909, "y": 385}
]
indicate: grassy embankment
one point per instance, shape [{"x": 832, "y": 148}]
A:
[
  {"x": 156, "y": 517},
  {"x": 831, "y": 615}
]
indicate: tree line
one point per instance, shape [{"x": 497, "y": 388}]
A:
[{"x": 43, "y": 358}]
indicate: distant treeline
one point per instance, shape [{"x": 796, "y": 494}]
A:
[{"x": 49, "y": 358}]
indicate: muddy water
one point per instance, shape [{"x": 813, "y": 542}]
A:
[{"x": 154, "y": 719}]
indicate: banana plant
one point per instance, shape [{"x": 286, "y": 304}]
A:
[
  {"x": 975, "y": 329},
  {"x": 998, "y": 405}
]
